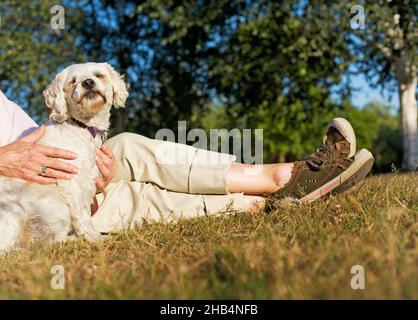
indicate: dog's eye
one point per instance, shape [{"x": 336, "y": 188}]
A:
[
  {"x": 99, "y": 75},
  {"x": 72, "y": 81}
]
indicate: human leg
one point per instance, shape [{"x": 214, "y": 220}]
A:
[
  {"x": 181, "y": 168},
  {"x": 192, "y": 170},
  {"x": 172, "y": 166},
  {"x": 126, "y": 204},
  {"x": 269, "y": 178},
  {"x": 334, "y": 167},
  {"x": 128, "y": 201}
]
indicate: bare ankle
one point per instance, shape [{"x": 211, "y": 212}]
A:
[
  {"x": 254, "y": 204},
  {"x": 281, "y": 175}
]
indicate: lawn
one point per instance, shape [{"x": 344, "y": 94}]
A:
[{"x": 301, "y": 252}]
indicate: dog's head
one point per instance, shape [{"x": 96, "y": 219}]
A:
[{"x": 84, "y": 90}]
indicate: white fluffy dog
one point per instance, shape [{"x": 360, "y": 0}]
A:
[{"x": 80, "y": 98}]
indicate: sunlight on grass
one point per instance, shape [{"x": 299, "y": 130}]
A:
[{"x": 291, "y": 252}]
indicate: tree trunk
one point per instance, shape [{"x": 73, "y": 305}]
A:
[{"x": 407, "y": 82}]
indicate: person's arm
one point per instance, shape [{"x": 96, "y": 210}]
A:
[
  {"x": 24, "y": 159},
  {"x": 14, "y": 122}
]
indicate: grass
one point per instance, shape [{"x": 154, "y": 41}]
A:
[{"x": 290, "y": 253}]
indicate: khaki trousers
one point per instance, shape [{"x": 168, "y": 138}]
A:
[{"x": 163, "y": 181}]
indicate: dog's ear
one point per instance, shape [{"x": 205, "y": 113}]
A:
[
  {"x": 120, "y": 88},
  {"x": 55, "y": 98}
]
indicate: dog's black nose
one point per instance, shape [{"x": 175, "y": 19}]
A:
[{"x": 88, "y": 84}]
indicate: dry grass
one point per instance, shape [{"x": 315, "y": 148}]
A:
[{"x": 304, "y": 252}]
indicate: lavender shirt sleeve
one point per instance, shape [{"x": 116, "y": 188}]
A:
[{"x": 14, "y": 122}]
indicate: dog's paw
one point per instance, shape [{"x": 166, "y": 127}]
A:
[
  {"x": 95, "y": 238},
  {"x": 92, "y": 236},
  {"x": 14, "y": 250},
  {"x": 104, "y": 237},
  {"x": 86, "y": 230}
]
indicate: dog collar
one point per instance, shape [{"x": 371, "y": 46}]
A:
[{"x": 93, "y": 130}]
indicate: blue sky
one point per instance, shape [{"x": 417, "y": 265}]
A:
[{"x": 365, "y": 94}]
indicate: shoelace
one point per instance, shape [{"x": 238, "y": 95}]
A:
[{"x": 321, "y": 155}]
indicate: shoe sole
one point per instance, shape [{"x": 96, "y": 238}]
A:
[
  {"x": 359, "y": 175},
  {"x": 346, "y": 130},
  {"x": 363, "y": 162}
]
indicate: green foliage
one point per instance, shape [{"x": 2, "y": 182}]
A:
[
  {"x": 387, "y": 54},
  {"x": 31, "y": 52},
  {"x": 271, "y": 66},
  {"x": 275, "y": 65},
  {"x": 378, "y": 130},
  {"x": 390, "y": 33}
]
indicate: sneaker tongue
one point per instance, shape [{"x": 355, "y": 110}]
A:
[
  {"x": 334, "y": 145},
  {"x": 336, "y": 141},
  {"x": 333, "y": 136}
]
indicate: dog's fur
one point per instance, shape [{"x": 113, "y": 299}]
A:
[{"x": 49, "y": 213}]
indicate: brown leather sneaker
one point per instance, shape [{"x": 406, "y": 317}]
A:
[{"x": 334, "y": 166}]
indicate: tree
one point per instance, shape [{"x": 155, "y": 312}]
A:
[
  {"x": 31, "y": 51},
  {"x": 279, "y": 69},
  {"x": 160, "y": 46},
  {"x": 276, "y": 65},
  {"x": 388, "y": 55},
  {"x": 378, "y": 130}
]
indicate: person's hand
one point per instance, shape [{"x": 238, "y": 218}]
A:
[
  {"x": 25, "y": 159},
  {"x": 107, "y": 166}
]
